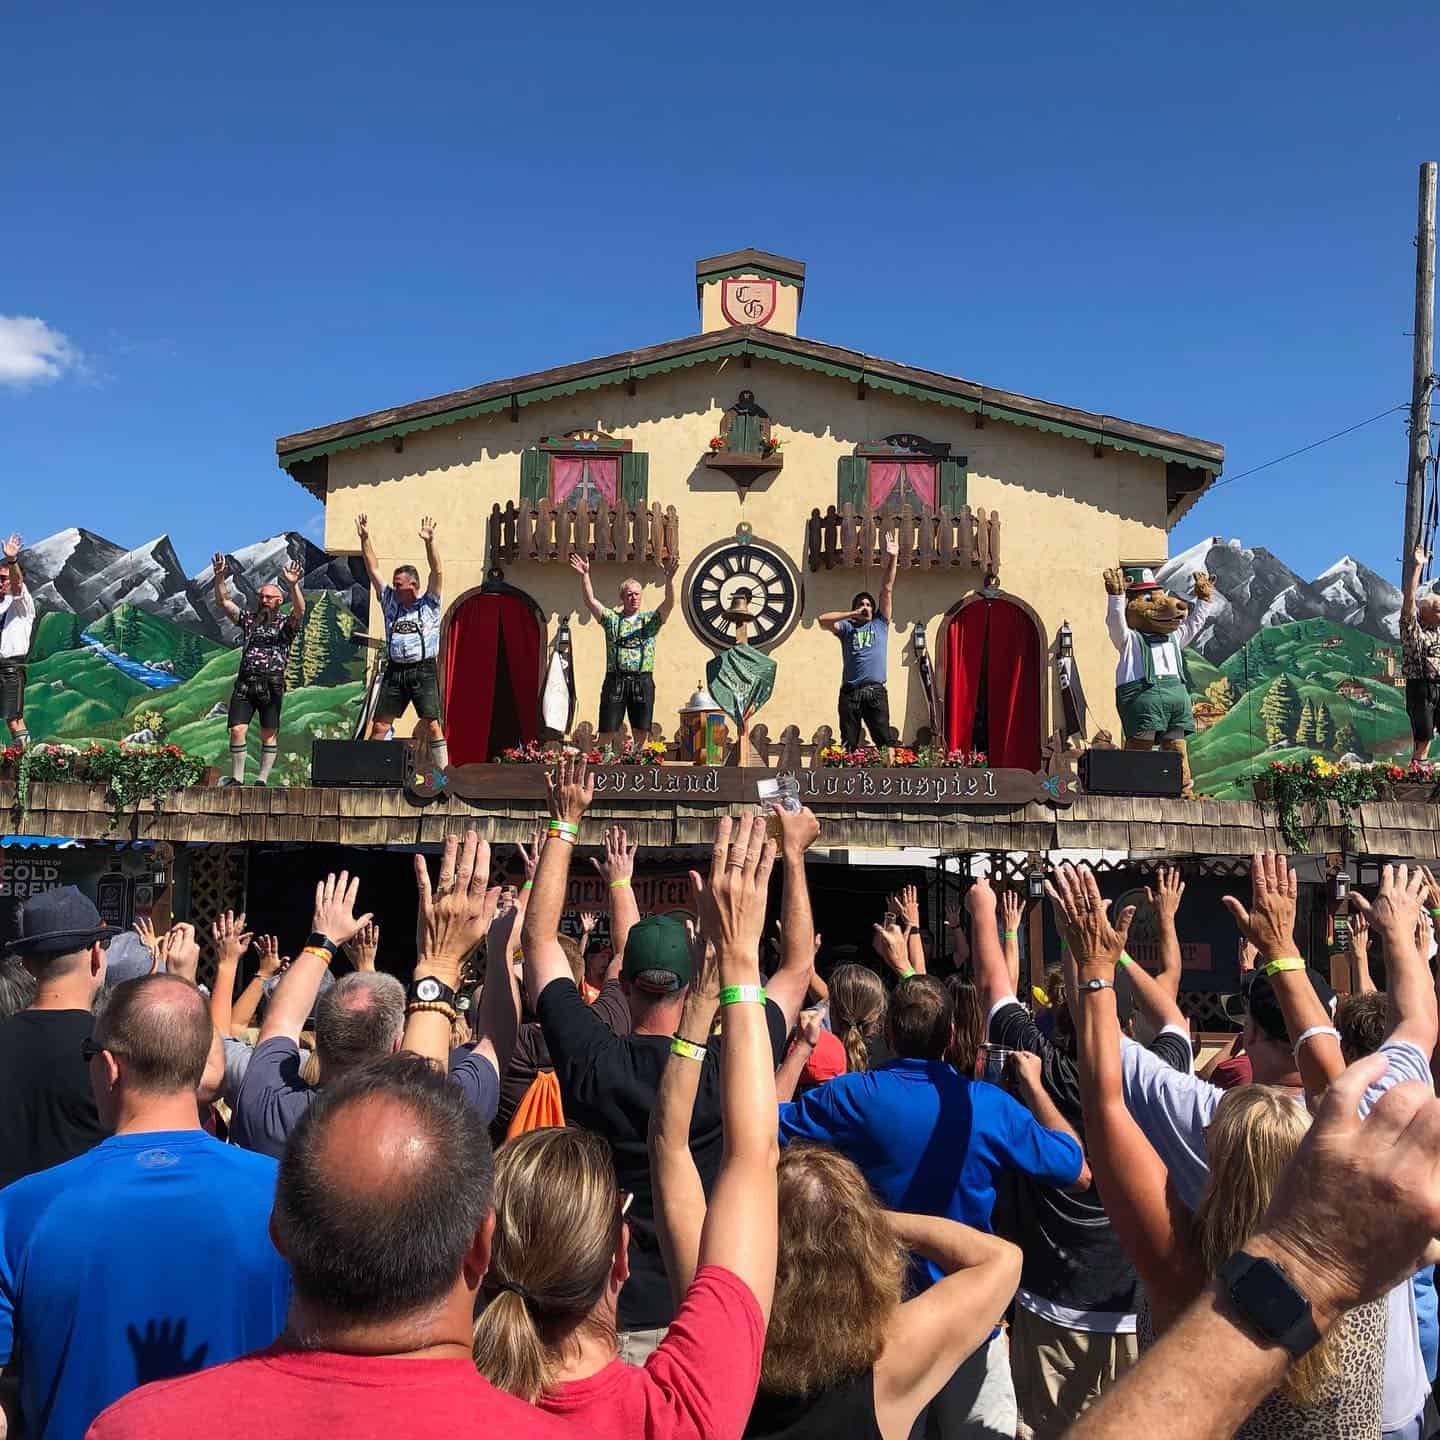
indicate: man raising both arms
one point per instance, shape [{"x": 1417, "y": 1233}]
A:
[
  {"x": 265, "y": 638},
  {"x": 864, "y": 632},
  {"x": 17, "y": 620},
  {"x": 628, "y": 692},
  {"x": 412, "y": 641}
]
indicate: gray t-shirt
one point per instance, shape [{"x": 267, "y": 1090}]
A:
[
  {"x": 864, "y": 650},
  {"x": 1173, "y": 1110},
  {"x": 272, "y": 1097}
]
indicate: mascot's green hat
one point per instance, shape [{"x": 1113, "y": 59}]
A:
[{"x": 1139, "y": 579}]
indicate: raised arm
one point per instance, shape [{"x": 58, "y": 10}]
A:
[
  {"x": 740, "y": 1226},
  {"x": 1129, "y": 1174},
  {"x": 571, "y": 789},
  {"x": 1199, "y": 612},
  {"x": 1269, "y": 925},
  {"x": 679, "y": 1194},
  {"x": 905, "y": 902},
  {"x": 790, "y": 984},
  {"x": 580, "y": 564},
  {"x": 334, "y": 921},
  {"x": 616, "y": 867},
  {"x": 802, "y": 1047},
  {"x": 1357, "y": 948},
  {"x": 1023, "y": 1069},
  {"x": 497, "y": 1021},
  {"x": 668, "y": 603},
  {"x": 1011, "y": 911},
  {"x": 230, "y": 940},
  {"x": 12, "y": 558},
  {"x": 247, "y": 1002},
  {"x": 832, "y": 619},
  {"x": 1394, "y": 915},
  {"x": 432, "y": 557},
  {"x": 222, "y": 592},
  {"x": 367, "y": 555},
  {"x": 886, "y": 602},
  {"x": 292, "y": 575},
  {"x": 1165, "y": 899},
  {"x": 1418, "y": 557},
  {"x": 993, "y": 980},
  {"x": 451, "y": 921}
]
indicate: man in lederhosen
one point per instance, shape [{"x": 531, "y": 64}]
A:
[
  {"x": 17, "y": 621},
  {"x": 412, "y": 642},
  {"x": 266, "y": 636}
]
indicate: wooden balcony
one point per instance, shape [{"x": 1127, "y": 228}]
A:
[
  {"x": 544, "y": 532},
  {"x": 930, "y": 540}
]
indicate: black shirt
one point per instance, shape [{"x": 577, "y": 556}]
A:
[
  {"x": 846, "y": 1411},
  {"x": 47, "y": 1109},
  {"x": 1073, "y": 1258},
  {"x": 265, "y": 641},
  {"x": 609, "y": 1084}
]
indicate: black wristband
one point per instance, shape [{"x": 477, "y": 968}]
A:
[
  {"x": 913, "y": 930},
  {"x": 317, "y": 941}
]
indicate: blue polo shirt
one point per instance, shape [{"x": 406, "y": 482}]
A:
[
  {"x": 930, "y": 1141},
  {"x": 147, "y": 1257}
]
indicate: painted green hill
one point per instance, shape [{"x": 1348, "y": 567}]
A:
[
  {"x": 151, "y": 639},
  {"x": 77, "y": 695}
]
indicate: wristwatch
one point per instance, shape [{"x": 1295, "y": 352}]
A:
[
  {"x": 1097, "y": 984},
  {"x": 429, "y": 991},
  {"x": 1264, "y": 1294}
]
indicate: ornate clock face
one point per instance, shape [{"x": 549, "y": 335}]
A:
[{"x": 750, "y": 574}]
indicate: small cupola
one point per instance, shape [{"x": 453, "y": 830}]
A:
[{"x": 749, "y": 287}]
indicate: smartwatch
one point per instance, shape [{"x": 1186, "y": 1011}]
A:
[
  {"x": 1263, "y": 1293},
  {"x": 317, "y": 941},
  {"x": 429, "y": 991}
]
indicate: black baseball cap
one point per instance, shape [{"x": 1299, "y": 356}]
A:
[
  {"x": 59, "y": 922},
  {"x": 1257, "y": 1001}
]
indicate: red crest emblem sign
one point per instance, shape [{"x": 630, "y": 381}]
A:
[{"x": 747, "y": 302}]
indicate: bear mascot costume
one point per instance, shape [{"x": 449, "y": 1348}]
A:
[{"x": 1151, "y": 628}]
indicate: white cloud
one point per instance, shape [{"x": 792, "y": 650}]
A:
[{"x": 31, "y": 352}]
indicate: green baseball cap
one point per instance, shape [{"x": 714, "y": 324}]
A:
[{"x": 658, "y": 943}]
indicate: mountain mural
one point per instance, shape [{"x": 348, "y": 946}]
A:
[{"x": 127, "y": 644}]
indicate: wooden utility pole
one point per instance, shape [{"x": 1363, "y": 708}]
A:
[{"x": 1424, "y": 366}]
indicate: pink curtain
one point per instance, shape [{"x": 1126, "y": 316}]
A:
[
  {"x": 884, "y": 477},
  {"x": 565, "y": 473},
  {"x": 920, "y": 475},
  {"x": 605, "y": 472}
]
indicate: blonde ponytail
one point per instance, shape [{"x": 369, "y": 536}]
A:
[
  {"x": 508, "y": 1348},
  {"x": 857, "y": 1011}
]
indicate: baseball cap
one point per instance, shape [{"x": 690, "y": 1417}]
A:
[
  {"x": 58, "y": 922},
  {"x": 1257, "y": 1001},
  {"x": 827, "y": 1060},
  {"x": 126, "y": 959},
  {"x": 658, "y": 943}
]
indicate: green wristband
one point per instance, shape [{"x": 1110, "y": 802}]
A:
[
  {"x": 907, "y": 972},
  {"x": 1012, "y": 934},
  {"x": 564, "y": 827},
  {"x": 1126, "y": 958},
  {"x": 528, "y": 885},
  {"x": 621, "y": 884},
  {"x": 1288, "y": 962},
  {"x": 1435, "y": 911},
  {"x": 742, "y": 995},
  {"x": 687, "y": 1048}
]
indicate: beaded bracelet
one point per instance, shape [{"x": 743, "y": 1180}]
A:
[
  {"x": 680, "y": 1046},
  {"x": 438, "y": 1007},
  {"x": 742, "y": 995},
  {"x": 1289, "y": 962}
]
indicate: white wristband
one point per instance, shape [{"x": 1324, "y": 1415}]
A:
[{"x": 1312, "y": 1032}]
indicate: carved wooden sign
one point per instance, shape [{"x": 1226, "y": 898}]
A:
[{"x": 727, "y": 785}]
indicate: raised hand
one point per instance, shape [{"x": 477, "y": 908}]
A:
[
  {"x": 588, "y": 921},
  {"x": 1420, "y": 555},
  {"x": 427, "y": 528},
  {"x": 980, "y": 899},
  {"x": 1082, "y": 916},
  {"x": 906, "y": 903},
  {"x": 362, "y": 526},
  {"x": 571, "y": 788},
  {"x": 892, "y": 543},
  {"x": 12, "y": 546},
  {"x": 670, "y": 564},
  {"x": 229, "y": 937},
  {"x": 810, "y": 1026},
  {"x": 363, "y": 946},
  {"x": 1398, "y": 902},
  {"x": 267, "y": 949},
  {"x": 334, "y": 914},
  {"x": 890, "y": 947},
  {"x": 530, "y": 854},
  {"x": 1011, "y": 909},
  {"x": 145, "y": 929},
  {"x": 1269, "y": 924},
  {"x": 732, "y": 903},
  {"x": 1203, "y": 585},
  {"x": 454, "y": 916},
  {"x": 799, "y": 829},
  {"x": 1115, "y": 582},
  {"x": 180, "y": 951},
  {"x": 578, "y": 563},
  {"x": 220, "y": 567},
  {"x": 1164, "y": 898},
  {"x": 292, "y": 574}
]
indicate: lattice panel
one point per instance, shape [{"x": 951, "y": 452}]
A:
[
  {"x": 218, "y": 875},
  {"x": 1205, "y": 1011}
]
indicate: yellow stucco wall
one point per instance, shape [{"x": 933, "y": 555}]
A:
[
  {"x": 783, "y": 321},
  {"x": 1065, "y": 516}
]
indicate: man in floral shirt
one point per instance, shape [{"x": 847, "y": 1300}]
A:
[
  {"x": 1420, "y": 658},
  {"x": 628, "y": 691},
  {"x": 266, "y": 636}
]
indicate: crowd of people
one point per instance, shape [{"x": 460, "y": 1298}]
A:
[{"x": 702, "y": 1186}]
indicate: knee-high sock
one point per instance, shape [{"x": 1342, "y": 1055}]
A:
[
  {"x": 20, "y": 737},
  {"x": 440, "y": 754},
  {"x": 267, "y": 759},
  {"x": 237, "y": 762}
]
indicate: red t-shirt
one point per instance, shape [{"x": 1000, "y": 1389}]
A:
[
  {"x": 300, "y": 1395},
  {"x": 698, "y": 1385},
  {"x": 1232, "y": 1072}
]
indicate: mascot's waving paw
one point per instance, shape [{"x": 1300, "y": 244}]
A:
[
  {"x": 1204, "y": 585},
  {"x": 1115, "y": 582}
]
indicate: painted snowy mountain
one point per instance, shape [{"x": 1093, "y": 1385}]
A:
[
  {"x": 85, "y": 573},
  {"x": 1254, "y": 589}
]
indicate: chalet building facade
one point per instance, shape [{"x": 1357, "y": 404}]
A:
[{"x": 774, "y": 461}]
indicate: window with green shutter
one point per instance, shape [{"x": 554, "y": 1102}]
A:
[
  {"x": 584, "y": 465},
  {"x": 902, "y": 471}
]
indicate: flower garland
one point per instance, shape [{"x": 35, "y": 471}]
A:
[
  {"x": 652, "y": 752},
  {"x": 129, "y": 773},
  {"x": 1291, "y": 784},
  {"x": 929, "y": 757}
]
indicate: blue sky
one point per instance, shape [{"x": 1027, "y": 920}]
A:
[{"x": 236, "y": 222}]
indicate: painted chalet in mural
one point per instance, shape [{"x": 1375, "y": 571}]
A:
[{"x": 773, "y": 464}]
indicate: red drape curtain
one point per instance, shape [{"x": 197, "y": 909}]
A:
[
  {"x": 1001, "y": 637},
  {"x": 492, "y": 677}
]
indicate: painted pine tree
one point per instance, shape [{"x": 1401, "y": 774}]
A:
[
  {"x": 324, "y": 650},
  {"x": 1324, "y": 726},
  {"x": 1305, "y": 727},
  {"x": 1280, "y": 711}
]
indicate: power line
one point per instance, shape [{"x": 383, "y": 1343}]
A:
[{"x": 1314, "y": 445}]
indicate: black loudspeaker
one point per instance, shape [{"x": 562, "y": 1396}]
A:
[
  {"x": 361, "y": 762},
  {"x": 1131, "y": 772}
]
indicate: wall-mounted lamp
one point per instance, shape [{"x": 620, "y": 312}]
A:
[
  {"x": 1035, "y": 884},
  {"x": 1065, "y": 641},
  {"x": 159, "y": 876},
  {"x": 1340, "y": 886},
  {"x": 917, "y": 640}
]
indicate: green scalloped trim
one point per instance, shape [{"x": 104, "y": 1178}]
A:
[
  {"x": 711, "y": 276},
  {"x": 761, "y": 351}
]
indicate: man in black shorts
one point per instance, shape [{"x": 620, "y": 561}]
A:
[
  {"x": 1420, "y": 659},
  {"x": 266, "y": 636},
  {"x": 17, "y": 621}
]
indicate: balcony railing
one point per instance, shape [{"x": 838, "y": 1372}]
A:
[
  {"x": 633, "y": 535},
  {"x": 929, "y": 540}
]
